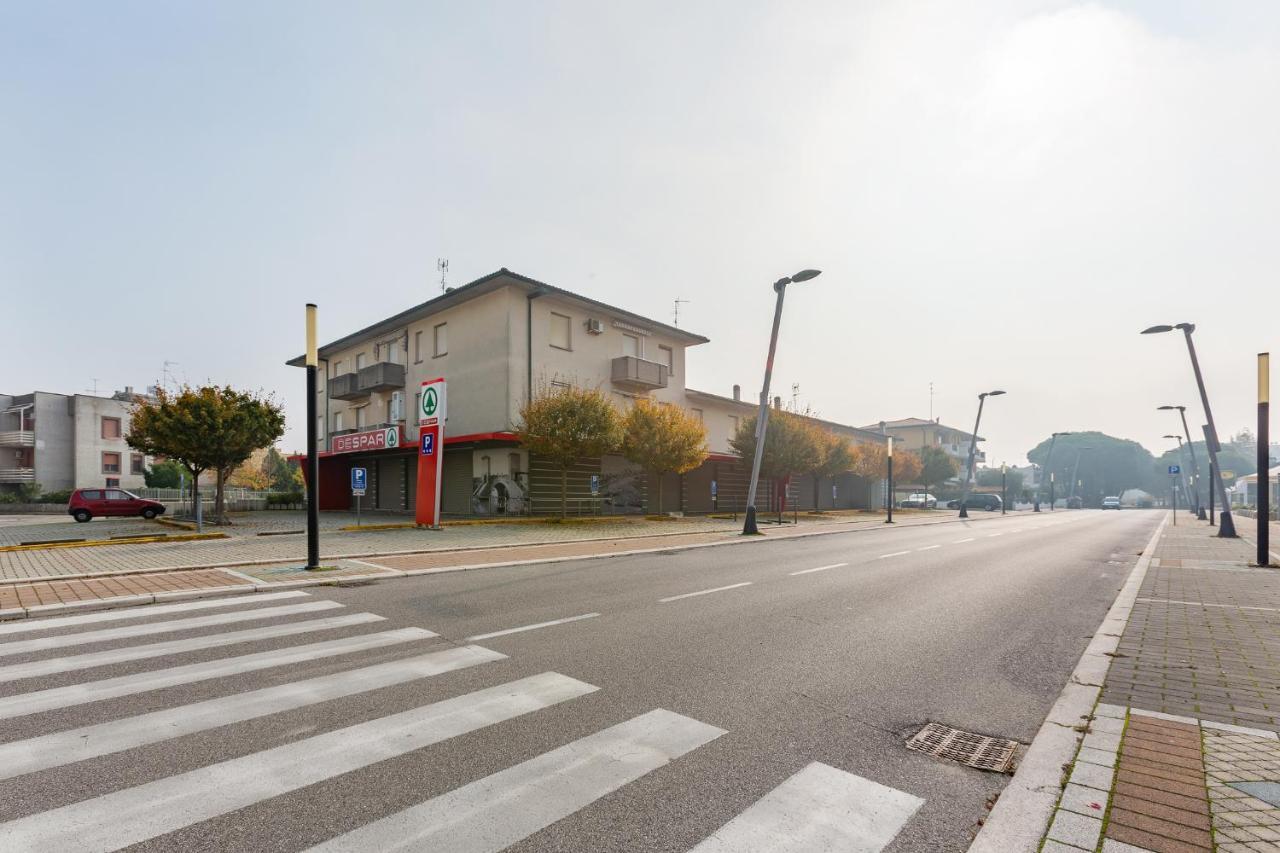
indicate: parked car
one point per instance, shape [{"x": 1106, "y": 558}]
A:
[
  {"x": 87, "y": 504},
  {"x": 990, "y": 503},
  {"x": 919, "y": 500},
  {"x": 1074, "y": 503},
  {"x": 1112, "y": 502}
]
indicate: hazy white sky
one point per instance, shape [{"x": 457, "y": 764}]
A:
[{"x": 999, "y": 194}]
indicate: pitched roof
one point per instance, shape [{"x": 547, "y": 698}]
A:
[
  {"x": 907, "y": 423},
  {"x": 749, "y": 408},
  {"x": 479, "y": 287}
]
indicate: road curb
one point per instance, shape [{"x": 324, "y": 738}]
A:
[{"x": 1020, "y": 817}]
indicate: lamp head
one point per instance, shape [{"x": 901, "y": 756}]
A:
[
  {"x": 1186, "y": 327},
  {"x": 805, "y": 275},
  {"x": 991, "y": 394},
  {"x": 1153, "y": 330}
]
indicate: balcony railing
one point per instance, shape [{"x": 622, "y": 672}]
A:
[
  {"x": 17, "y": 475},
  {"x": 383, "y": 376},
  {"x": 633, "y": 372},
  {"x": 17, "y": 438},
  {"x": 345, "y": 387}
]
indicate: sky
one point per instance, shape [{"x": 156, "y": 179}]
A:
[{"x": 999, "y": 195}]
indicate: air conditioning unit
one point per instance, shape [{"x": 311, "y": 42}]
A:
[
  {"x": 594, "y": 327},
  {"x": 397, "y": 406}
]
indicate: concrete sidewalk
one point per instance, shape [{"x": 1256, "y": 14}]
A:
[{"x": 1181, "y": 753}]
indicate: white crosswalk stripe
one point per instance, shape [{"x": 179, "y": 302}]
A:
[
  {"x": 68, "y": 663},
  {"x": 128, "y": 632},
  {"x": 493, "y": 813},
  {"x": 819, "y": 808},
  {"x": 53, "y": 750},
  {"x": 136, "y": 814},
  {"x": 27, "y": 625},
  {"x": 23, "y": 704}
]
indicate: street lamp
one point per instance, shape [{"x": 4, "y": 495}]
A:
[
  {"x": 1181, "y": 471},
  {"x": 1046, "y": 470},
  {"x": 973, "y": 449},
  {"x": 762, "y": 421},
  {"x": 313, "y": 458},
  {"x": 1074, "y": 471},
  {"x": 1195, "y": 465},
  {"x": 1004, "y": 485},
  {"x": 1226, "y": 526},
  {"x": 889, "y": 459}
]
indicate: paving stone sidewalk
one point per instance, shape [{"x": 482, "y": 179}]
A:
[{"x": 1182, "y": 753}]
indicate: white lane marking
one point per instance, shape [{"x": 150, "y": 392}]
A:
[
  {"x": 106, "y": 635},
  {"x": 1206, "y": 604},
  {"x": 703, "y": 592},
  {"x": 994, "y": 535},
  {"x": 144, "y": 612},
  {"x": 68, "y": 663},
  {"x": 1016, "y": 530},
  {"x": 21, "y": 704},
  {"x": 962, "y": 541},
  {"x": 497, "y": 811},
  {"x": 532, "y": 627},
  {"x": 818, "y": 569},
  {"x": 67, "y": 747},
  {"x": 928, "y": 547},
  {"x": 132, "y": 815},
  {"x": 894, "y": 554},
  {"x": 819, "y": 808}
]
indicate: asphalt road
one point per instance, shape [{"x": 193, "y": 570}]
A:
[{"x": 647, "y": 726}]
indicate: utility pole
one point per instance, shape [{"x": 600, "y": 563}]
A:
[{"x": 1264, "y": 459}]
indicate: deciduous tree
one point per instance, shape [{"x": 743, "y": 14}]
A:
[
  {"x": 835, "y": 458},
  {"x": 663, "y": 439},
  {"x": 936, "y": 465},
  {"x": 567, "y": 424},
  {"x": 790, "y": 445}
]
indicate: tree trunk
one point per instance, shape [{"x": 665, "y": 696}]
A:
[
  {"x": 219, "y": 498},
  {"x": 564, "y": 491},
  {"x": 659, "y": 478},
  {"x": 195, "y": 500},
  {"x": 817, "y": 481}
]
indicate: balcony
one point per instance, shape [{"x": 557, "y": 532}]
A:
[
  {"x": 17, "y": 438},
  {"x": 638, "y": 374},
  {"x": 345, "y": 387},
  {"x": 17, "y": 475},
  {"x": 383, "y": 376}
]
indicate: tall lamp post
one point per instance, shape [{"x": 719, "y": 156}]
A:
[
  {"x": 1264, "y": 459},
  {"x": 1181, "y": 463},
  {"x": 973, "y": 449},
  {"x": 1004, "y": 487},
  {"x": 1226, "y": 526},
  {"x": 1195, "y": 465},
  {"x": 1048, "y": 460},
  {"x": 1076, "y": 470},
  {"x": 762, "y": 420},
  {"x": 889, "y": 503},
  {"x": 313, "y": 458}
]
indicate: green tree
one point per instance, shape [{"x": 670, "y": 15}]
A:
[
  {"x": 835, "y": 457},
  {"x": 790, "y": 446},
  {"x": 165, "y": 474},
  {"x": 1109, "y": 466},
  {"x": 991, "y": 478},
  {"x": 936, "y": 466},
  {"x": 567, "y": 424},
  {"x": 663, "y": 439},
  {"x": 284, "y": 475}
]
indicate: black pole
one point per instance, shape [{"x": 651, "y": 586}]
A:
[
  {"x": 1051, "y": 498},
  {"x": 1213, "y": 472},
  {"x": 1173, "y": 490},
  {"x": 973, "y": 447},
  {"x": 1004, "y": 483},
  {"x": 1226, "y": 527},
  {"x": 313, "y": 456},
  {"x": 889, "y": 502},
  {"x": 762, "y": 419},
  {"x": 1264, "y": 459},
  {"x": 1195, "y": 465}
]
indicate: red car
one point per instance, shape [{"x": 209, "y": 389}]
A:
[{"x": 86, "y": 504}]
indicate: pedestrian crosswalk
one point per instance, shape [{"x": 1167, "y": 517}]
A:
[{"x": 110, "y": 655}]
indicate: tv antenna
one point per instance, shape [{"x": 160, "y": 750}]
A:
[
  {"x": 795, "y": 396},
  {"x": 675, "y": 315},
  {"x": 930, "y": 401},
  {"x": 167, "y": 375},
  {"x": 442, "y": 264},
  {"x": 94, "y": 390}
]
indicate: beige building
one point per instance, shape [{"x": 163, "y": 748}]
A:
[
  {"x": 497, "y": 341},
  {"x": 918, "y": 433}
]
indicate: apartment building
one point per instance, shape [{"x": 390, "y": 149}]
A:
[
  {"x": 918, "y": 433},
  {"x": 498, "y": 341},
  {"x": 66, "y": 441}
]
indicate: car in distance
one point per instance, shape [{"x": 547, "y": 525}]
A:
[
  {"x": 990, "y": 503},
  {"x": 87, "y": 504},
  {"x": 1112, "y": 502},
  {"x": 1074, "y": 503},
  {"x": 919, "y": 500}
]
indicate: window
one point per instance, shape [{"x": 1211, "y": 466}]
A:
[
  {"x": 91, "y": 494},
  {"x": 631, "y": 346},
  {"x": 361, "y": 415},
  {"x": 388, "y": 351},
  {"x": 390, "y": 412},
  {"x": 560, "y": 338},
  {"x": 337, "y": 422},
  {"x": 441, "y": 340},
  {"x": 110, "y": 427},
  {"x": 559, "y": 386},
  {"x": 733, "y": 425},
  {"x": 111, "y": 463},
  {"x": 137, "y": 463},
  {"x": 360, "y": 361},
  {"x": 113, "y": 481},
  {"x": 116, "y": 494},
  {"x": 665, "y": 356},
  {"x": 337, "y": 368},
  {"x": 417, "y": 347},
  {"x": 320, "y": 427},
  {"x": 697, "y": 413}
]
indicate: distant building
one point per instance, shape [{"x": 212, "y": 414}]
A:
[
  {"x": 918, "y": 433},
  {"x": 67, "y": 441}
]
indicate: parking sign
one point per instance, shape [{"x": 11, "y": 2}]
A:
[
  {"x": 1175, "y": 469},
  {"x": 359, "y": 480}
]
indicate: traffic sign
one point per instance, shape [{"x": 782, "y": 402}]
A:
[
  {"x": 1228, "y": 475},
  {"x": 359, "y": 480},
  {"x": 431, "y": 402},
  {"x": 1175, "y": 469},
  {"x": 431, "y": 419},
  {"x": 595, "y": 484},
  {"x": 428, "y": 443}
]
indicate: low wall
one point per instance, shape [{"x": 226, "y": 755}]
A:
[{"x": 32, "y": 509}]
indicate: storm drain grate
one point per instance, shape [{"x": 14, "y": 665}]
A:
[{"x": 984, "y": 753}]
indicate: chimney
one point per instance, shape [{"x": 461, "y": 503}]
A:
[
  {"x": 737, "y": 392},
  {"x": 777, "y": 402}
]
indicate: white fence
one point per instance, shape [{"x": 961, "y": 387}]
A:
[{"x": 179, "y": 501}]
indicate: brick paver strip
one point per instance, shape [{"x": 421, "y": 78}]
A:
[
  {"x": 1159, "y": 801},
  {"x": 33, "y": 594}
]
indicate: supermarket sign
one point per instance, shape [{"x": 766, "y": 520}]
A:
[{"x": 373, "y": 439}]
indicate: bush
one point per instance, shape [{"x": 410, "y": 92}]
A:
[
  {"x": 282, "y": 499},
  {"x": 59, "y": 497}
]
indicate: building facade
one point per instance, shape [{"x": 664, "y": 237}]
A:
[
  {"x": 499, "y": 341},
  {"x": 67, "y": 441},
  {"x": 918, "y": 433}
]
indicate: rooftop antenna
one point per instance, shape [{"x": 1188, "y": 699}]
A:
[
  {"x": 442, "y": 264},
  {"x": 675, "y": 315},
  {"x": 930, "y": 401},
  {"x": 795, "y": 396},
  {"x": 167, "y": 375},
  {"x": 94, "y": 390}
]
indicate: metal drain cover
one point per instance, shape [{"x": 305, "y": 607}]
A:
[{"x": 984, "y": 753}]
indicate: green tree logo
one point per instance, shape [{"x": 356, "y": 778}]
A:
[{"x": 429, "y": 402}]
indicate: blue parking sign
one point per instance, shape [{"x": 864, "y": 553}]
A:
[
  {"x": 428, "y": 443},
  {"x": 1175, "y": 469},
  {"x": 359, "y": 479}
]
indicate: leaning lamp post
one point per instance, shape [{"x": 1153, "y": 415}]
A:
[
  {"x": 313, "y": 457},
  {"x": 1182, "y": 469},
  {"x": 1047, "y": 462},
  {"x": 762, "y": 420},
  {"x": 1226, "y": 526},
  {"x": 973, "y": 449},
  {"x": 1195, "y": 465}
]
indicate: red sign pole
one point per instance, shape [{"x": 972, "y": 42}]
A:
[{"x": 431, "y": 418}]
